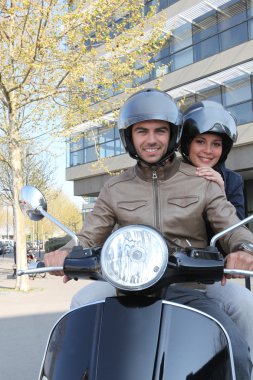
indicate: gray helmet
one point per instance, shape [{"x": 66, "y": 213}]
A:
[
  {"x": 149, "y": 104},
  {"x": 208, "y": 117}
]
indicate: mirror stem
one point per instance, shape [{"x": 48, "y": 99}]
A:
[
  {"x": 59, "y": 224},
  {"x": 220, "y": 234}
]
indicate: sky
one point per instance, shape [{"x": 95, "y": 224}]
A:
[{"x": 66, "y": 186}]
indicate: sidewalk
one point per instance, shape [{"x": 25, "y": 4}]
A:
[{"x": 26, "y": 319}]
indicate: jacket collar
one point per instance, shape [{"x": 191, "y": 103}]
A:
[{"x": 163, "y": 172}]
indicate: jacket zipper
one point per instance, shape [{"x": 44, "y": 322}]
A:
[{"x": 156, "y": 200}]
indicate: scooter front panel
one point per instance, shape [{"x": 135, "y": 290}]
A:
[
  {"x": 192, "y": 346},
  {"x": 137, "y": 338},
  {"x": 99, "y": 341},
  {"x": 71, "y": 349}
]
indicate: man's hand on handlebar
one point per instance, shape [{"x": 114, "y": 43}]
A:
[
  {"x": 237, "y": 260},
  {"x": 56, "y": 259}
]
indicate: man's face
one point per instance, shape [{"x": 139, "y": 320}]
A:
[{"x": 151, "y": 139}]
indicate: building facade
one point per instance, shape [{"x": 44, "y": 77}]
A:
[{"x": 209, "y": 56}]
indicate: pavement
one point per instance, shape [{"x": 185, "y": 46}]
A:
[{"x": 26, "y": 319}]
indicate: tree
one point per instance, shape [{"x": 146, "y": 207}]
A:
[
  {"x": 63, "y": 209},
  {"x": 6, "y": 218},
  {"x": 58, "y": 61},
  {"x": 37, "y": 171}
]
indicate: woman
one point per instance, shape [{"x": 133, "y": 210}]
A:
[
  {"x": 209, "y": 132},
  {"x": 208, "y": 151}
]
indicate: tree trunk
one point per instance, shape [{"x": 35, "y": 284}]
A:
[{"x": 22, "y": 282}]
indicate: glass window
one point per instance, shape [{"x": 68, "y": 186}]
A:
[
  {"x": 149, "y": 4},
  {"x": 116, "y": 133},
  {"x": 161, "y": 68},
  {"x": 206, "y": 48},
  {"x": 186, "y": 102},
  {"x": 182, "y": 59},
  {"x": 106, "y": 135},
  {"x": 243, "y": 112},
  {"x": 119, "y": 149},
  {"x": 231, "y": 14},
  {"x": 234, "y": 36},
  {"x": 106, "y": 150},
  {"x": 204, "y": 26},
  {"x": 163, "y": 4},
  {"x": 250, "y": 26},
  {"x": 164, "y": 52},
  {"x": 143, "y": 79},
  {"x": 107, "y": 141},
  {"x": 211, "y": 93},
  {"x": 90, "y": 139},
  {"x": 76, "y": 158},
  {"x": 181, "y": 37},
  {"x": 90, "y": 154},
  {"x": 102, "y": 151},
  {"x": 110, "y": 148},
  {"x": 250, "y": 8},
  {"x": 236, "y": 90},
  {"x": 76, "y": 143}
]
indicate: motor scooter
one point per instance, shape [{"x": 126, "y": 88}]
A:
[{"x": 136, "y": 335}]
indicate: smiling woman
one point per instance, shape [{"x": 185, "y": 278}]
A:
[
  {"x": 205, "y": 149},
  {"x": 209, "y": 132}
]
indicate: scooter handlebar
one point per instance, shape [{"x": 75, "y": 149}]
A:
[
  {"x": 240, "y": 272},
  {"x": 44, "y": 269}
]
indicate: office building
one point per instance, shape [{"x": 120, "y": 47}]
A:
[{"x": 209, "y": 56}]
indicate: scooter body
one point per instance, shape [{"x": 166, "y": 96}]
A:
[{"x": 137, "y": 338}]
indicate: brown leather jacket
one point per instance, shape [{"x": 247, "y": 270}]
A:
[{"x": 172, "y": 199}]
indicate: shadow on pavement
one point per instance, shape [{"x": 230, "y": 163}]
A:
[{"x": 23, "y": 342}]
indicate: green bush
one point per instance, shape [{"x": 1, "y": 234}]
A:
[{"x": 55, "y": 243}]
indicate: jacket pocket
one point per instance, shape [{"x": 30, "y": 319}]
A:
[
  {"x": 131, "y": 206},
  {"x": 183, "y": 201}
]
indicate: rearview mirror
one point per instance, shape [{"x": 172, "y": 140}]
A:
[
  {"x": 34, "y": 206},
  {"x": 31, "y": 201}
]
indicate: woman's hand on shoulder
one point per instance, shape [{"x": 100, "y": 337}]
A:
[{"x": 211, "y": 175}]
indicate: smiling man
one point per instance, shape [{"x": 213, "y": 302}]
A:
[{"x": 151, "y": 140}]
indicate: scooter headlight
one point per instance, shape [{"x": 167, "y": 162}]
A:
[{"x": 134, "y": 257}]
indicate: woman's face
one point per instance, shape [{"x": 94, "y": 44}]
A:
[{"x": 205, "y": 150}]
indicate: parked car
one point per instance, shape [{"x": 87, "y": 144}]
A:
[
  {"x": 5, "y": 248},
  {"x": 8, "y": 247},
  {"x": 2, "y": 248}
]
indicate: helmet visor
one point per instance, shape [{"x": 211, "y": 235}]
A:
[
  {"x": 149, "y": 105},
  {"x": 213, "y": 121}
]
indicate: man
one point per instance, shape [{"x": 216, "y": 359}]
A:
[{"x": 162, "y": 192}]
